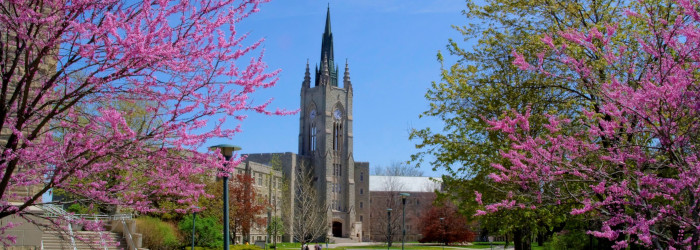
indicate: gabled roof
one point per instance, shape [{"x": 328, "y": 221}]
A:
[{"x": 404, "y": 183}]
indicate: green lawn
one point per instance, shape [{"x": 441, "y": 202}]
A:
[{"x": 474, "y": 245}]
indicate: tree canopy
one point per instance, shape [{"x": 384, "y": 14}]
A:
[
  {"x": 69, "y": 67},
  {"x": 485, "y": 85},
  {"x": 631, "y": 159}
]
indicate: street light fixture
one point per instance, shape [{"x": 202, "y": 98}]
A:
[
  {"x": 403, "y": 200},
  {"x": 194, "y": 222},
  {"x": 442, "y": 221},
  {"x": 227, "y": 152},
  {"x": 388, "y": 228}
]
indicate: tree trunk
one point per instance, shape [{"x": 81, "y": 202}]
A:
[
  {"x": 695, "y": 238},
  {"x": 540, "y": 239},
  {"x": 522, "y": 239},
  {"x": 507, "y": 242}
]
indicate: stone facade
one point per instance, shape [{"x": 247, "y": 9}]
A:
[
  {"x": 362, "y": 199},
  {"x": 269, "y": 185}
]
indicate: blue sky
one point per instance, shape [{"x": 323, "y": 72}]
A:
[{"x": 391, "y": 47}]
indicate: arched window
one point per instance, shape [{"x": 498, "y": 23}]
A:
[
  {"x": 312, "y": 130},
  {"x": 337, "y": 130},
  {"x": 312, "y": 137}
]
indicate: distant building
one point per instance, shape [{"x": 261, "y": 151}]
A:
[
  {"x": 326, "y": 148},
  {"x": 385, "y": 194}
]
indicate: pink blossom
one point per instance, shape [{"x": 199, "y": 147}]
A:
[
  {"x": 629, "y": 151},
  {"x": 139, "y": 90}
]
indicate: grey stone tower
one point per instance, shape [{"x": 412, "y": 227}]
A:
[{"x": 326, "y": 140}]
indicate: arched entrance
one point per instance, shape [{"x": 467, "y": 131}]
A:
[{"x": 337, "y": 229}]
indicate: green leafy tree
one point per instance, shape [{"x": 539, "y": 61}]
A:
[
  {"x": 276, "y": 228},
  {"x": 483, "y": 84},
  {"x": 208, "y": 231}
]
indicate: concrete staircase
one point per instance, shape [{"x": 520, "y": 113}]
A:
[{"x": 58, "y": 240}]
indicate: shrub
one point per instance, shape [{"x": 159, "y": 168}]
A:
[
  {"x": 77, "y": 208},
  {"x": 207, "y": 231},
  {"x": 157, "y": 234},
  {"x": 568, "y": 240}
]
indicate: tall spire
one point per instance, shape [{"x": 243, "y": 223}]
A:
[
  {"x": 327, "y": 52},
  {"x": 346, "y": 77},
  {"x": 328, "y": 20},
  {"x": 307, "y": 76}
]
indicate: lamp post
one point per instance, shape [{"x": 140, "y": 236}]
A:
[
  {"x": 403, "y": 227},
  {"x": 388, "y": 228},
  {"x": 194, "y": 222},
  {"x": 442, "y": 221},
  {"x": 227, "y": 152}
]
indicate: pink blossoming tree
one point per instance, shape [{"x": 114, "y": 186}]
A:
[
  {"x": 631, "y": 157},
  {"x": 69, "y": 67}
]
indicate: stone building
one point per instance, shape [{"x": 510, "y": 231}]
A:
[
  {"x": 268, "y": 183},
  {"x": 326, "y": 147}
]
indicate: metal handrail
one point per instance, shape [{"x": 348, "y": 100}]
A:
[
  {"x": 127, "y": 235},
  {"x": 56, "y": 211},
  {"x": 72, "y": 237}
]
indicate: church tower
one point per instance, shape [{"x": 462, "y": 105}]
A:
[{"x": 326, "y": 140}]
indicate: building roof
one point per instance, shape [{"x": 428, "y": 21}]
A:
[{"x": 404, "y": 183}]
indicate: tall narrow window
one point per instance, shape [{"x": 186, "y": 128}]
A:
[
  {"x": 337, "y": 130},
  {"x": 312, "y": 139},
  {"x": 337, "y": 136},
  {"x": 312, "y": 131}
]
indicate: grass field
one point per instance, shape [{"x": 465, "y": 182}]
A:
[{"x": 408, "y": 246}]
